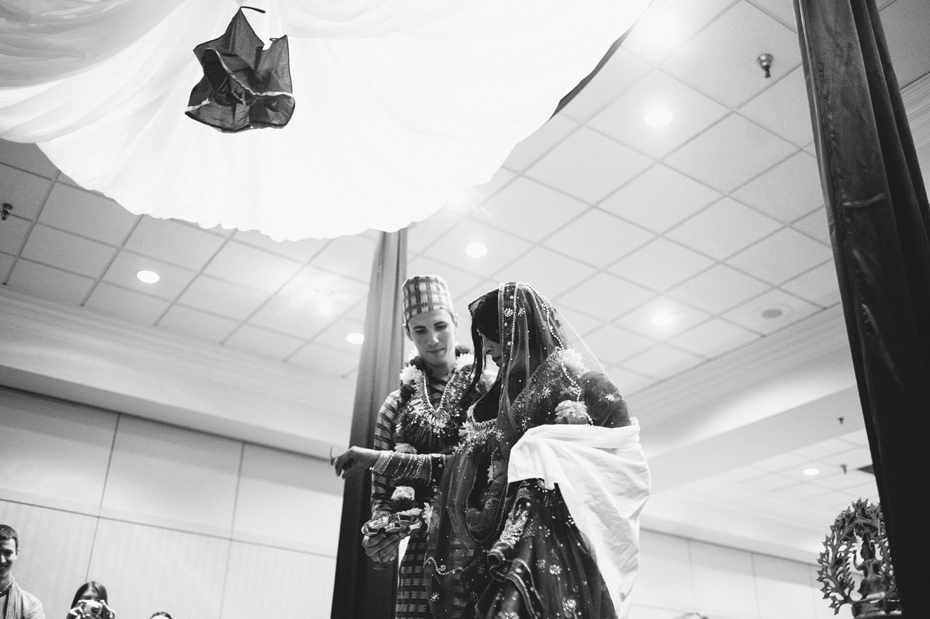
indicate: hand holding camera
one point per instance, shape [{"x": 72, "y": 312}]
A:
[{"x": 91, "y": 609}]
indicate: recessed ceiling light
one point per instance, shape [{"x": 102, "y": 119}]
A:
[
  {"x": 774, "y": 312},
  {"x": 149, "y": 277},
  {"x": 658, "y": 117},
  {"x": 663, "y": 319},
  {"x": 355, "y": 338},
  {"x": 476, "y": 249},
  {"x": 810, "y": 472}
]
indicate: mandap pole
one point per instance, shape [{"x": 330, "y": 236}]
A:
[{"x": 360, "y": 591}]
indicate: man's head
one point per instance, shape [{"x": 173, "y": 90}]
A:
[
  {"x": 9, "y": 551},
  {"x": 430, "y": 320}
]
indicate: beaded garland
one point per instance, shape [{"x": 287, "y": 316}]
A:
[{"x": 433, "y": 429}]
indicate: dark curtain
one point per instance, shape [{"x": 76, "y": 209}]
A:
[
  {"x": 880, "y": 228},
  {"x": 362, "y": 592}
]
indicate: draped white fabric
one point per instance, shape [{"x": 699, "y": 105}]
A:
[
  {"x": 400, "y": 103},
  {"x": 604, "y": 479}
]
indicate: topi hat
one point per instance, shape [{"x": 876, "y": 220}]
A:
[{"x": 424, "y": 293}]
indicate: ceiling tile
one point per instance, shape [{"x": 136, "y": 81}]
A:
[
  {"x": 25, "y": 191},
  {"x": 13, "y": 233},
  {"x": 326, "y": 360},
  {"x": 588, "y": 165},
  {"x": 661, "y": 264},
  {"x": 66, "y": 251},
  {"x": 450, "y": 248},
  {"x": 666, "y": 25},
  {"x": 529, "y": 209},
  {"x": 301, "y": 251},
  {"x": 692, "y": 112},
  {"x": 781, "y": 256},
  {"x": 527, "y": 152},
  {"x": 477, "y": 194},
  {"x": 49, "y": 283},
  {"x": 351, "y": 256},
  {"x": 659, "y": 198},
  {"x": 549, "y": 273},
  {"x": 422, "y": 234},
  {"x": 628, "y": 382},
  {"x": 6, "y": 265},
  {"x": 134, "y": 307},
  {"x": 782, "y": 10},
  {"x": 815, "y": 226},
  {"x": 818, "y": 286},
  {"x": 171, "y": 241},
  {"x": 87, "y": 214},
  {"x": 459, "y": 281},
  {"x": 859, "y": 438},
  {"x": 782, "y": 462},
  {"x": 682, "y": 317},
  {"x": 27, "y": 157},
  {"x": 905, "y": 22},
  {"x": 251, "y": 267},
  {"x": 783, "y": 109},
  {"x": 723, "y": 228},
  {"x": 622, "y": 69},
  {"x": 605, "y": 296},
  {"x": 582, "y": 324},
  {"x": 299, "y": 308},
  {"x": 334, "y": 336},
  {"x": 263, "y": 342},
  {"x": 829, "y": 447},
  {"x": 198, "y": 324},
  {"x": 786, "y": 192},
  {"x": 219, "y": 297},
  {"x": 730, "y": 153},
  {"x": 662, "y": 361},
  {"x": 713, "y": 338},
  {"x": 612, "y": 344},
  {"x": 720, "y": 61},
  {"x": 749, "y": 315},
  {"x": 172, "y": 280},
  {"x": 718, "y": 289},
  {"x": 598, "y": 238},
  {"x": 853, "y": 459}
]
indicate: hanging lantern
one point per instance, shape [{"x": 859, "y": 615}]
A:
[{"x": 244, "y": 86}]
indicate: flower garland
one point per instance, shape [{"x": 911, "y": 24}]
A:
[{"x": 433, "y": 429}]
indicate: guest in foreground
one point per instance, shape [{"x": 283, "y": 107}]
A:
[
  {"x": 14, "y": 602},
  {"x": 90, "y": 602}
]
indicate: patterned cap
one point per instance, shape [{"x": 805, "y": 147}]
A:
[{"x": 423, "y": 293}]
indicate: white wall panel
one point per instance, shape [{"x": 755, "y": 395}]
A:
[
  {"x": 723, "y": 582},
  {"x": 54, "y": 453},
  {"x": 148, "y": 568},
  {"x": 55, "y": 549},
  {"x": 169, "y": 476},
  {"x": 287, "y": 499},
  {"x": 783, "y": 588},
  {"x": 664, "y": 579},
  {"x": 271, "y": 582}
]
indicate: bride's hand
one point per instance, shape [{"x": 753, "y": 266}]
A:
[{"x": 355, "y": 459}]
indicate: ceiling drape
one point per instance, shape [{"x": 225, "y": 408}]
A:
[
  {"x": 400, "y": 104},
  {"x": 879, "y": 219}
]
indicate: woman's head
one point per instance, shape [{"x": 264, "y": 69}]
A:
[{"x": 92, "y": 590}]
